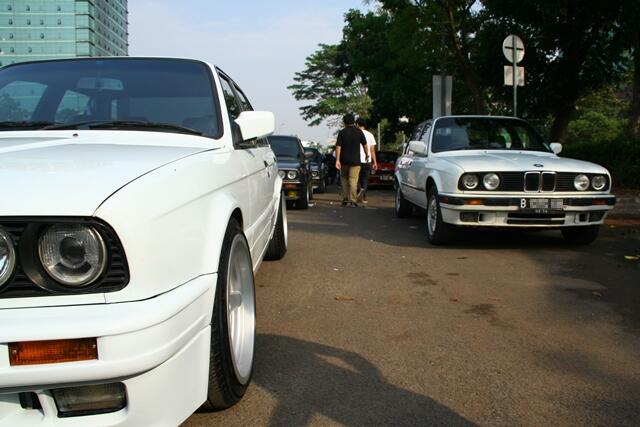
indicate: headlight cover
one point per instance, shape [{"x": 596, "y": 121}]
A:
[
  {"x": 491, "y": 181},
  {"x": 282, "y": 174},
  {"x": 292, "y": 175},
  {"x": 7, "y": 257},
  {"x": 599, "y": 182},
  {"x": 470, "y": 181},
  {"x": 73, "y": 255},
  {"x": 314, "y": 174},
  {"x": 581, "y": 182}
]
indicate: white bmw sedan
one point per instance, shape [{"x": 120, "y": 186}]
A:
[
  {"x": 139, "y": 196},
  {"x": 483, "y": 171}
]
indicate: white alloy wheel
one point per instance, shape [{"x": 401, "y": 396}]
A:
[
  {"x": 241, "y": 309},
  {"x": 432, "y": 215}
]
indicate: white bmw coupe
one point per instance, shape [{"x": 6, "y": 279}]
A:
[
  {"x": 139, "y": 196},
  {"x": 483, "y": 171}
]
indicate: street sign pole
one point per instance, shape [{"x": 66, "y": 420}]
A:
[{"x": 515, "y": 83}]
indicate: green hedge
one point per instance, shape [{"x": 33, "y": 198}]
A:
[{"x": 620, "y": 156}]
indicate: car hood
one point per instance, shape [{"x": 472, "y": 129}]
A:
[
  {"x": 72, "y": 173},
  {"x": 288, "y": 163},
  {"x": 514, "y": 161}
]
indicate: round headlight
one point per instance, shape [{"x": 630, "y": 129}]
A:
[
  {"x": 470, "y": 182},
  {"x": 7, "y": 257},
  {"x": 581, "y": 182},
  {"x": 73, "y": 255},
  {"x": 491, "y": 181},
  {"x": 282, "y": 174},
  {"x": 598, "y": 182},
  {"x": 314, "y": 174},
  {"x": 292, "y": 174}
]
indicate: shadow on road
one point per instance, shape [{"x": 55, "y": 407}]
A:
[{"x": 309, "y": 379}]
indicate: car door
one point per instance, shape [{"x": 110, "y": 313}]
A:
[
  {"x": 247, "y": 158},
  {"x": 265, "y": 197},
  {"x": 404, "y": 166},
  {"x": 417, "y": 171}
]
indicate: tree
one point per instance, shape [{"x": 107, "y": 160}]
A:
[{"x": 330, "y": 97}]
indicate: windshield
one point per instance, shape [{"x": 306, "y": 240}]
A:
[
  {"x": 317, "y": 157},
  {"x": 163, "y": 91},
  {"x": 284, "y": 146},
  {"x": 485, "y": 133},
  {"x": 386, "y": 156}
]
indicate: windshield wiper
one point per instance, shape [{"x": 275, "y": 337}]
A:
[
  {"x": 25, "y": 124},
  {"x": 125, "y": 124}
]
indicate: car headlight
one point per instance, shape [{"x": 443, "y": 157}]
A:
[
  {"x": 7, "y": 257},
  {"x": 491, "y": 181},
  {"x": 292, "y": 174},
  {"x": 314, "y": 174},
  {"x": 282, "y": 174},
  {"x": 598, "y": 182},
  {"x": 73, "y": 255},
  {"x": 581, "y": 182},
  {"x": 470, "y": 181}
]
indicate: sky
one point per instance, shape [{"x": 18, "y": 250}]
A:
[{"x": 259, "y": 43}]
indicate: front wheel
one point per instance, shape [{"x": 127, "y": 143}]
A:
[
  {"x": 581, "y": 235},
  {"x": 438, "y": 231},
  {"x": 303, "y": 202},
  {"x": 233, "y": 326}
]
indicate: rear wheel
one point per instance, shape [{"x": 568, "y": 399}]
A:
[
  {"x": 581, "y": 235},
  {"x": 438, "y": 231},
  {"x": 233, "y": 323},
  {"x": 403, "y": 207},
  {"x": 280, "y": 239},
  {"x": 323, "y": 186}
]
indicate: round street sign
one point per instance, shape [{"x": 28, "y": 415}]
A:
[{"x": 508, "y": 46}]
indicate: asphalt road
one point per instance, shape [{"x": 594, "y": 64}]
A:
[{"x": 365, "y": 323}]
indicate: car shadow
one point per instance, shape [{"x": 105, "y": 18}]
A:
[{"x": 310, "y": 379}]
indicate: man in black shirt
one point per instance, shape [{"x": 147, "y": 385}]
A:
[{"x": 350, "y": 138}]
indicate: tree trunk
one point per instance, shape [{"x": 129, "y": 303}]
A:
[
  {"x": 470, "y": 78},
  {"x": 561, "y": 119},
  {"x": 634, "y": 123}
]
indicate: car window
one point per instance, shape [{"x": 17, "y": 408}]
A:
[
  {"x": 244, "y": 102},
  {"x": 284, "y": 146},
  {"x": 233, "y": 106},
  {"x": 417, "y": 131},
  {"x": 424, "y": 137},
  {"x": 19, "y": 99},
  {"x": 483, "y": 133},
  {"x": 175, "y": 92}
]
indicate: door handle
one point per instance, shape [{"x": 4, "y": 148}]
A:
[{"x": 266, "y": 165}]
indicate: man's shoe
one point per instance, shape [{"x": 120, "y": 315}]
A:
[
  {"x": 360, "y": 195},
  {"x": 353, "y": 205},
  {"x": 345, "y": 203}
]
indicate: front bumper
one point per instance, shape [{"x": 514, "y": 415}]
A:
[
  {"x": 158, "y": 348},
  {"x": 508, "y": 211},
  {"x": 293, "y": 190}
]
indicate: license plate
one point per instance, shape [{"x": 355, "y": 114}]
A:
[
  {"x": 542, "y": 205},
  {"x": 386, "y": 178}
]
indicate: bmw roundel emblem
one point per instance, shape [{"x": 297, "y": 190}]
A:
[{"x": 538, "y": 165}]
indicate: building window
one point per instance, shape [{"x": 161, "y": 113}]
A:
[
  {"x": 10, "y": 35},
  {"x": 59, "y": 21},
  {"x": 10, "y": 21},
  {"x": 12, "y": 50},
  {"x": 28, "y": 8},
  {"x": 41, "y": 35},
  {"x": 29, "y": 50},
  {"x": 42, "y": 22},
  {"x": 9, "y": 7},
  {"x": 28, "y": 21},
  {"x": 59, "y": 8}
]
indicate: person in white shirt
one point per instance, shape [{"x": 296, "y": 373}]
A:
[{"x": 368, "y": 160}]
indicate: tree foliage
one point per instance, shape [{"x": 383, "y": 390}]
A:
[{"x": 320, "y": 84}]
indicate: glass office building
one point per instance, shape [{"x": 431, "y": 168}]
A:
[{"x": 50, "y": 29}]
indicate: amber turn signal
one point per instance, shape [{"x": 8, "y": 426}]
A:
[
  {"x": 474, "y": 202},
  {"x": 58, "y": 351}
]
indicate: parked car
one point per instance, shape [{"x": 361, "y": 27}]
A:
[
  {"x": 139, "y": 198},
  {"x": 294, "y": 169},
  {"x": 384, "y": 175},
  {"x": 318, "y": 169},
  {"x": 484, "y": 171}
]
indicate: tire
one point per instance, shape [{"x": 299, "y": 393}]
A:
[
  {"x": 581, "y": 235},
  {"x": 303, "y": 203},
  {"x": 438, "y": 231},
  {"x": 323, "y": 186},
  {"x": 280, "y": 239},
  {"x": 403, "y": 208},
  {"x": 232, "y": 329}
]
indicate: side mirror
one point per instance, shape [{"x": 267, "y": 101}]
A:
[
  {"x": 556, "y": 147},
  {"x": 418, "y": 147},
  {"x": 256, "y": 124}
]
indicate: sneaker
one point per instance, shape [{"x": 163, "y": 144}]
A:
[
  {"x": 353, "y": 205},
  {"x": 345, "y": 203},
  {"x": 360, "y": 195},
  {"x": 365, "y": 201}
]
